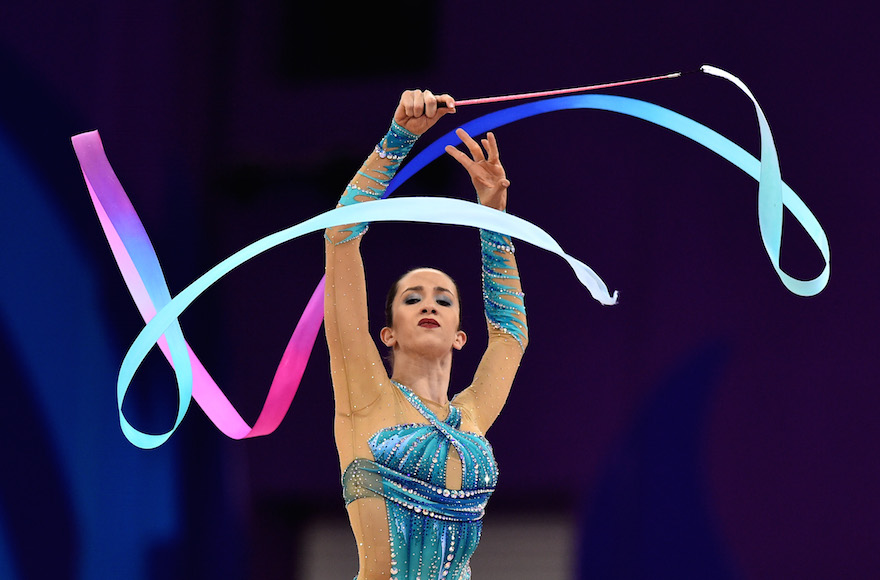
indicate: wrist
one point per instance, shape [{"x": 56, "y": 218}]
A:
[
  {"x": 397, "y": 142},
  {"x": 499, "y": 205},
  {"x": 495, "y": 242}
]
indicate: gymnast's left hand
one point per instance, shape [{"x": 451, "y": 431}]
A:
[{"x": 487, "y": 173}]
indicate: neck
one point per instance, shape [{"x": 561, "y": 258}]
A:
[{"x": 428, "y": 378}]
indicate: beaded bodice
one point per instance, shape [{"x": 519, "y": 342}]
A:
[{"x": 433, "y": 530}]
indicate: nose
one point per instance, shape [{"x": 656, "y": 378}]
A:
[{"x": 432, "y": 309}]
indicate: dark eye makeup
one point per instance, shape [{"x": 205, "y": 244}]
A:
[{"x": 441, "y": 299}]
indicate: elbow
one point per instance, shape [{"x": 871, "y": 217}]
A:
[
  {"x": 516, "y": 336},
  {"x": 519, "y": 330},
  {"x": 523, "y": 341}
]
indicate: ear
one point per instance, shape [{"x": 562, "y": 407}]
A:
[
  {"x": 386, "y": 335},
  {"x": 460, "y": 340}
]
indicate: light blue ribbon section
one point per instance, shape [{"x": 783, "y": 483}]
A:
[{"x": 410, "y": 209}]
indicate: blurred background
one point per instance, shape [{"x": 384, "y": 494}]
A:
[{"x": 711, "y": 425}]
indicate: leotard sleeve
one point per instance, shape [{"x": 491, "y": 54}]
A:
[
  {"x": 356, "y": 367},
  {"x": 508, "y": 332}
]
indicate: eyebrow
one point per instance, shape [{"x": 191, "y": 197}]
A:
[{"x": 421, "y": 288}]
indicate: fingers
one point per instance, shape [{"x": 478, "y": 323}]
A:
[
  {"x": 412, "y": 103},
  {"x": 489, "y": 170},
  {"x": 430, "y": 102},
  {"x": 473, "y": 146},
  {"x": 491, "y": 146},
  {"x": 448, "y": 101},
  {"x": 458, "y": 156},
  {"x": 416, "y": 103}
]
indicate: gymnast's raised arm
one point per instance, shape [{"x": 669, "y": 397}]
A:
[
  {"x": 502, "y": 291},
  {"x": 356, "y": 366}
]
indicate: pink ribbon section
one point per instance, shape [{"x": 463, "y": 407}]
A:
[{"x": 139, "y": 265}]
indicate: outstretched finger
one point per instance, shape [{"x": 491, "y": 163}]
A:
[
  {"x": 473, "y": 146},
  {"x": 491, "y": 146},
  {"x": 459, "y": 156}
]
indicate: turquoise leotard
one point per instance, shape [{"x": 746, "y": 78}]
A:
[{"x": 433, "y": 530}]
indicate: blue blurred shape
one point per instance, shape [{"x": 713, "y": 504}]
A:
[
  {"x": 651, "y": 517},
  {"x": 76, "y": 500}
]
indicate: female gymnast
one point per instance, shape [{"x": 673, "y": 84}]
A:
[{"x": 417, "y": 470}]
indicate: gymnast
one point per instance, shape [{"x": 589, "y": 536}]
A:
[{"x": 416, "y": 469}]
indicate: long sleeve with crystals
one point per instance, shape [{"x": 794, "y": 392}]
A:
[
  {"x": 355, "y": 364},
  {"x": 503, "y": 301}
]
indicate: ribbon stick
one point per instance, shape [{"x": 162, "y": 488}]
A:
[
  {"x": 141, "y": 271},
  {"x": 559, "y": 92}
]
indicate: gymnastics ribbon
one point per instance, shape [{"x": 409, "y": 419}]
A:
[{"x": 140, "y": 268}]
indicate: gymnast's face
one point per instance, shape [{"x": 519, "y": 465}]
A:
[{"x": 425, "y": 315}]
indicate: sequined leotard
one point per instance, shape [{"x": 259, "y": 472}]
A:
[
  {"x": 434, "y": 529},
  {"x": 416, "y": 474}
]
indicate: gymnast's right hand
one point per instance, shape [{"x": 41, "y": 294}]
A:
[{"x": 418, "y": 111}]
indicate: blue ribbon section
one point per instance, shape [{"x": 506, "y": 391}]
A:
[{"x": 773, "y": 193}]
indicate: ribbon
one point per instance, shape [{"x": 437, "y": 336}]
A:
[{"x": 140, "y": 268}]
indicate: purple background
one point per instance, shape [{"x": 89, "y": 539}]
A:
[{"x": 712, "y": 425}]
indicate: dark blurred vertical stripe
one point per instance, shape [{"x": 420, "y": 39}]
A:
[
  {"x": 651, "y": 517},
  {"x": 35, "y": 498}
]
